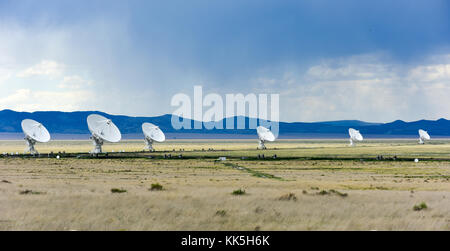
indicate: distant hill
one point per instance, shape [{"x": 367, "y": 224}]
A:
[{"x": 75, "y": 123}]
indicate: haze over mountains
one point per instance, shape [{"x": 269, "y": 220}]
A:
[{"x": 75, "y": 123}]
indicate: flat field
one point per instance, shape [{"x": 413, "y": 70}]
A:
[{"x": 309, "y": 185}]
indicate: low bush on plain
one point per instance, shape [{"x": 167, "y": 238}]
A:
[
  {"x": 332, "y": 191},
  {"x": 239, "y": 192},
  {"x": 156, "y": 187},
  {"x": 30, "y": 192},
  {"x": 421, "y": 206},
  {"x": 221, "y": 213},
  {"x": 118, "y": 190}
]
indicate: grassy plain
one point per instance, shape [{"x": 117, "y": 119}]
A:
[{"x": 311, "y": 185}]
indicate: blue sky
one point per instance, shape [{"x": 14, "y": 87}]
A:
[{"x": 330, "y": 60}]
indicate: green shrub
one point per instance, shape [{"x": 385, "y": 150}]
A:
[
  {"x": 332, "y": 191},
  {"x": 239, "y": 192},
  {"x": 420, "y": 206},
  {"x": 30, "y": 192},
  {"x": 338, "y": 193},
  {"x": 156, "y": 187},
  {"x": 323, "y": 192},
  {"x": 118, "y": 190},
  {"x": 221, "y": 213}
]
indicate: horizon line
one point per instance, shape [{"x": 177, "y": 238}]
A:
[{"x": 224, "y": 118}]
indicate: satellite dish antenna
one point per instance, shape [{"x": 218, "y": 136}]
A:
[
  {"x": 264, "y": 135},
  {"x": 152, "y": 133},
  {"x": 423, "y": 135},
  {"x": 34, "y": 132},
  {"x": 102, "y": 129},
  {"x": 355, "y": 135}
]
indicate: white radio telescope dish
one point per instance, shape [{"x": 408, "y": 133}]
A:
[
  {"x": 264, "y": 135},
  {"x": 355, "y": 135},
  {"x": 423, "y": 135},
  {"x": 34, "y": 132},
  {"x": 102, "y": 129},
  {"x": 152, "y": 133}
]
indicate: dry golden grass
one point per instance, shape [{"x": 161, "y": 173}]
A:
[
  {"x": 246, "y": 147},
  {"x": 75, "y": 194}
]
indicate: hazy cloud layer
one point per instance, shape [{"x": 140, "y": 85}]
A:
[{"x": 367, "y": 88}]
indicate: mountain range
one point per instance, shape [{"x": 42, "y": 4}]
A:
[{"x": 75, "y": 123}]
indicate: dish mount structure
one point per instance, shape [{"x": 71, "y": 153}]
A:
[
  {"x": 423, "y": 135},
  {"x": 355, "y": 135},
  {"x": 152, "y": 133},
  {"x": 264, "y": 135},
  {"x": 34, "y": 132},
  {"x": 102, "y": 129}
]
